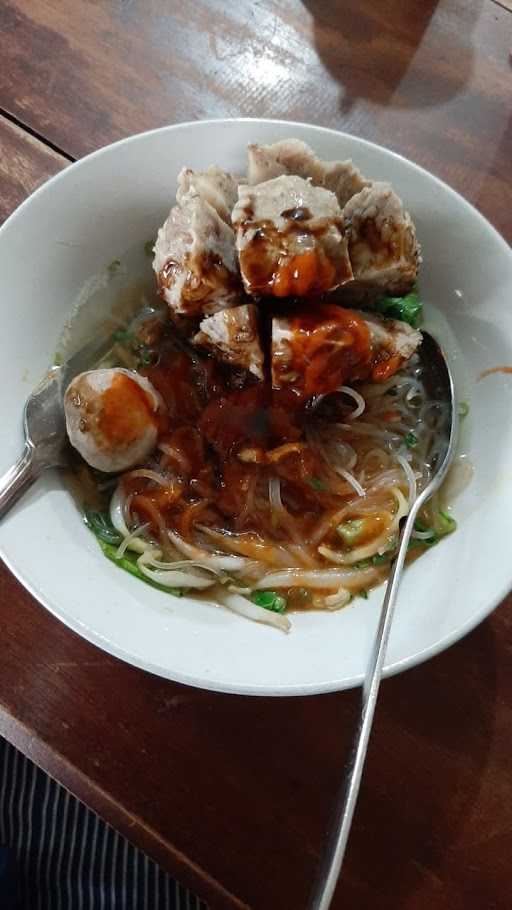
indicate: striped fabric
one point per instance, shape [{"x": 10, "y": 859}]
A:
[{"x": 56, "y": 854}]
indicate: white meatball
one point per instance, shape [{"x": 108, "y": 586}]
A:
[
  {"x": 111, "y": 418},
  {"x": 232, "y": 336},
  {"x": 290, "y": 238}
]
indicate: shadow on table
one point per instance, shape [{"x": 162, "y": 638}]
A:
[
  {"x": 497, "y": 169},
  {"x": 375, "y": 51}
]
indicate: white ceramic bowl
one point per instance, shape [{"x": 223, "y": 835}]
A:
[{"x": 54, "y": 251}]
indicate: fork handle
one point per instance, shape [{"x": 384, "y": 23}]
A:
[{"x": 18, "y": 479}]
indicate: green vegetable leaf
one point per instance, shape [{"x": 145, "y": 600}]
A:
[
  {"x": 123, "y": 335},
  {"x": 411, "y": 440},
  {"x": 128, "y": 562},
  {"x": 109, "y": 539},
  {"x": 350, "y": 531},
  {"x": 408, "y": 308},
  {"x": 463, "y": 409},
  {"x": 100, "y": 525},
  {"x": 381, "y": 559},
  {"x": 317, "y": 483},
  {"x": 114, "y": 266},
  {"x": 269, "y": 600},
  {"x": 148, "y": 247},
  {"x": 443, "y": 524},
  {"x": 145, "y": 356},
  {"x": 420, "y": 525}
]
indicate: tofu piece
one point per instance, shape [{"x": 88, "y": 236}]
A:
[
  {"x": 383, "y": 249},
  {"x": 232, "y": 336},
  {"x": 111, "y": 418},
  {"x": 314, "y": 352},
  {"x": 195, "y": 260},
  {"x": 290, "y": 239},
  {"x": 214, "y": 186},
  {"x": 291, "y": 156}
]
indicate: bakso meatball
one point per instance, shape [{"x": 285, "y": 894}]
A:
[
  {"x": 382, "y": 244},
  {"x": 232, "y": 336},
  {"x": 112, "y": 418},
  {"x": 290, "y": 238},
  {"x": 291, "y": 156},
  {"x": 214, "y": 186},
  {"x": 195, "y": 258},
  {"x": 316, "y": 351}
]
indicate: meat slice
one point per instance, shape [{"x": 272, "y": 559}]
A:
[
  {"x": 195, "y": 257},
  {"x": 383, "y": 249},
  {"x": 316, "y": 351},
  {"x": 290, "y": 238},
  {"x": 291, "y": 156},
  {"x": 232, "y": 336},
  {"x": 214, "y": 186}
]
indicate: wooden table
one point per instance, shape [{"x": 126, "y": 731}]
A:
[{"x": 232, "y": 794}]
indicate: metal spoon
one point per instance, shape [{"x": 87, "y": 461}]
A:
[
  {"x": 45, "y": 426},
  {"x": 439, "y": 383}
]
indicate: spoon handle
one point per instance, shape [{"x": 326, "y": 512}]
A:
[
  {"x": 346, "y": 802},
  {"x": 18, "y": 479}
]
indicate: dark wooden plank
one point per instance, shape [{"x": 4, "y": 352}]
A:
[
  {"x": 237, "y": 790},
  {"x": 429, "y": 78},
  {"x": 232, "y": 794},
  {"x": 25, "y": 163}
]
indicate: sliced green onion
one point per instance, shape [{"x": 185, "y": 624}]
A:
[
  {"x": 317, "y": 483},
  {"x": 445, "y": 523},
  {"x": 411, "y": 440},
  {"x": 269, "y": 600},
  {"x": 114, "y": 266},
  {"x": 145, "y": 356},
  {"x": 420, "y": 525},
  {"x": 363, "y": 593},
  {"x": 350, "y": 531},
  {"x": 463, "y": 409},
  {"x": 381, "y": 558},
  {"x": 122, "y": 335}
]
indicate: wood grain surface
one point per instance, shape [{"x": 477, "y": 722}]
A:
[
  {"x": 232, "y": 794},
  {"x": 25, "y": 163},
  {"x": 428, "y": 78}
]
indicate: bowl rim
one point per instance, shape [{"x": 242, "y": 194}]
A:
[{"x": 293, "y": 689}]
